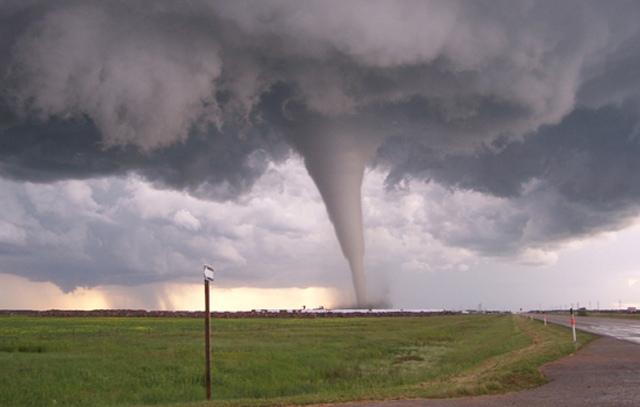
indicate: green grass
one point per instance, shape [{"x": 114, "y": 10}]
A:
[{"x": 157, "y": 361}]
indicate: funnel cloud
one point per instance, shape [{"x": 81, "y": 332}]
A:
[
  {"x": 500, "y": 130},
  {"x": 336, "y": 161}
]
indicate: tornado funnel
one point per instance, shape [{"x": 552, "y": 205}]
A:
[{"x": 336, "y": 162}]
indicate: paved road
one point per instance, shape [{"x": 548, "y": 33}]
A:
[{"x": 623, "y": 329}]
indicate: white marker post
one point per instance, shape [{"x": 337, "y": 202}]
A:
[
  {"x": 208, "y": 276},
  {"x": 573, "y": 326},
  {"x": 544, "y": 316}
]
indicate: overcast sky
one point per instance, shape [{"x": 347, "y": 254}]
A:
[{"x": 499, "y": 141}]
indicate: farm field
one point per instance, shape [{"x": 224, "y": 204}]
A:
[{"x": 261, "y": 362}]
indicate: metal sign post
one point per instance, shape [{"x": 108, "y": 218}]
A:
[{"x": 208, "y": 276}]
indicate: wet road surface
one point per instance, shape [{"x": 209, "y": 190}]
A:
[{"x": 623, "y": 329}]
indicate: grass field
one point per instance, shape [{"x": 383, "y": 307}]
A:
[{"x": 160, "y": 361}]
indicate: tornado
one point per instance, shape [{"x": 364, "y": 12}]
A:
[{"x": 336, "y": 161}]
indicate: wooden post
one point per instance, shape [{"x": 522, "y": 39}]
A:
[{"x": 207, "y": 334}]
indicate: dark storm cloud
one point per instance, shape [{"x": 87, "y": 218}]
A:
[
  {"x": 152, "y": 74},
  {"x": 586, "y": 172},
  {"x": 530, "y": 101},
  {"x": 455, "y": 73},
  {"x": 214, "y": 165},
  {"x": 592, "y": 157},
  {"x": 92, "y": 89}
]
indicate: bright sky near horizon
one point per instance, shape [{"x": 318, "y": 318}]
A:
[{"x": 499, "y": 143}]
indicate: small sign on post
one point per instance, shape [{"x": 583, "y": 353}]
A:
[
  {"x": 208, "y": 276},
  {"x": 208, "y": 273}
]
